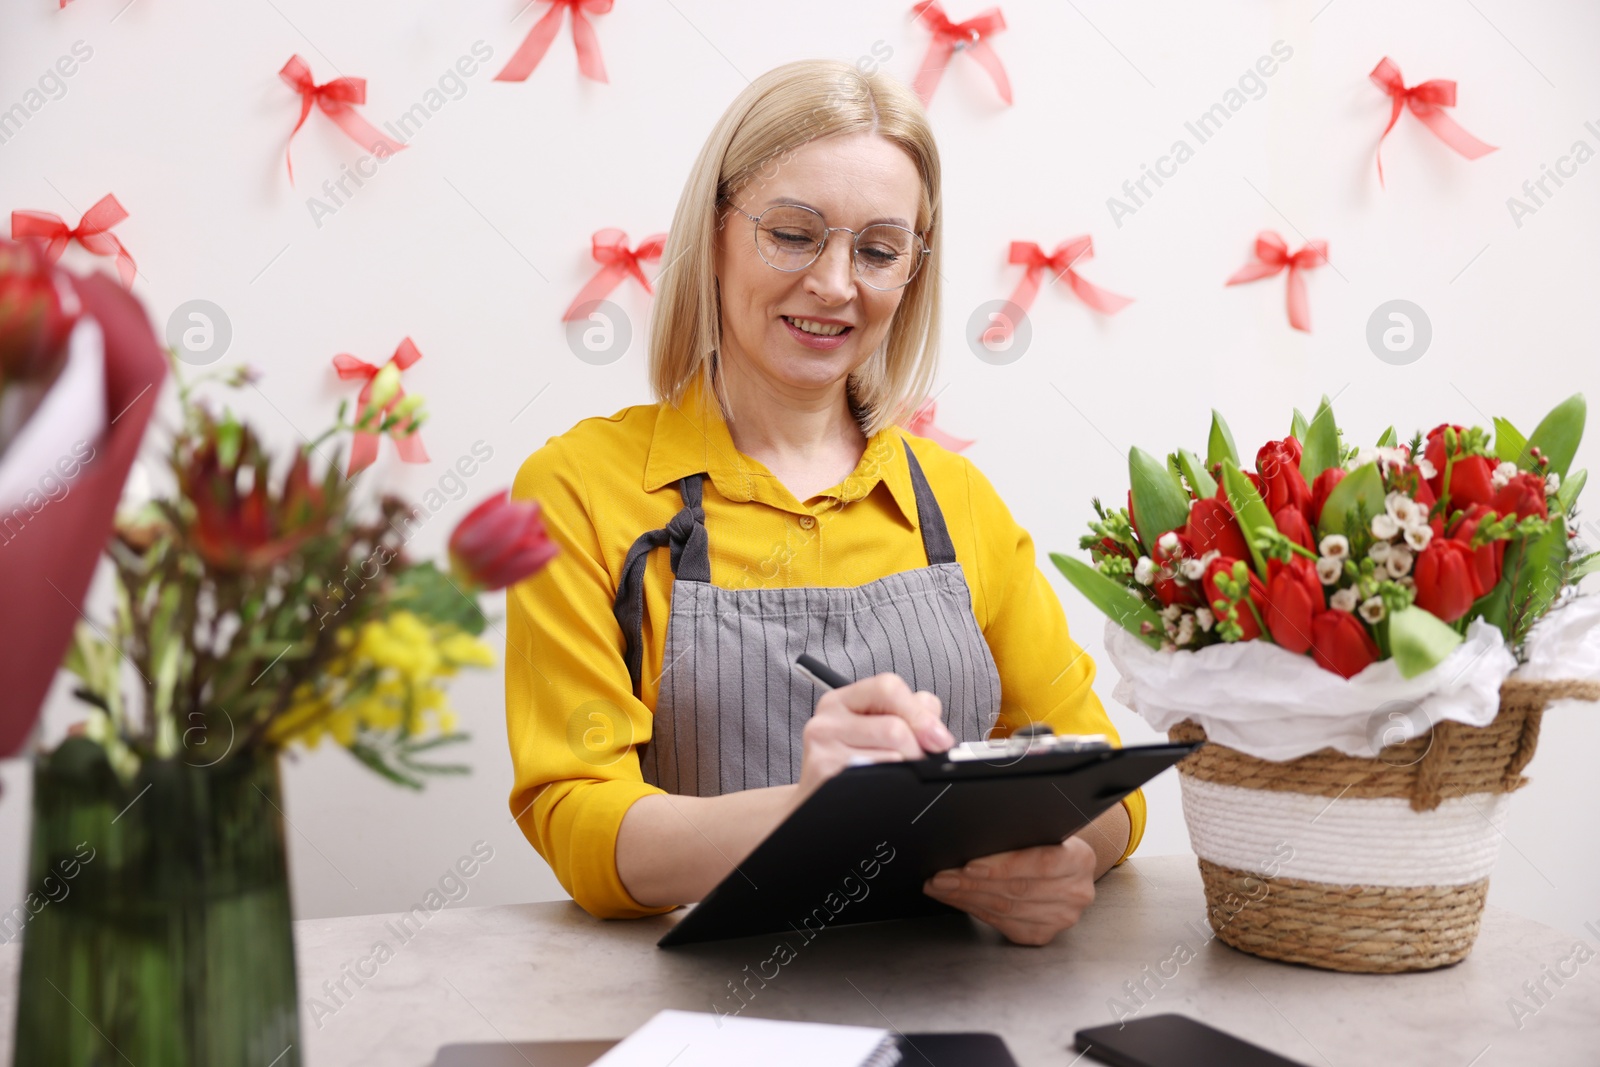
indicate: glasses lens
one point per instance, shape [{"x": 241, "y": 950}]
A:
[
  {"x": 788, "y": 237},
  {"x": 888, "y": 256}
]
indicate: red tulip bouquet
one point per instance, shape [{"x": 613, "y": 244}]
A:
[
  {"x": 1367, "y": 638},
  {"x": 1347, "y": 555}
]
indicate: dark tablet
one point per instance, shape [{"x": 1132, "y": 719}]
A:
[{"x": 860, "y": 848}]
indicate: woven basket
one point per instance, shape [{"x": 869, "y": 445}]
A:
[{"x": 1393, "y": 853}]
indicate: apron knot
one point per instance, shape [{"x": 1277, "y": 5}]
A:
[{"x": 682, "y": 527}]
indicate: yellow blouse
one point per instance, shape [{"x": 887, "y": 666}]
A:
[{"x": 571, "y": 714}]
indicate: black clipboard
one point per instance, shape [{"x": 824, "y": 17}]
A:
[{"x": 859, "y": 849}]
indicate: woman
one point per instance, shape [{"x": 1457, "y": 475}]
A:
[{"x": 657, "y": 727}]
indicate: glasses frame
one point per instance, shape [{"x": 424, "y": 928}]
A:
[{"x": 822, "y": 246}]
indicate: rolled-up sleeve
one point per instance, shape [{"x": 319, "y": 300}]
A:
[
  {"x": 1044, "y": 675},
  {"x": 571, "y": 715}
]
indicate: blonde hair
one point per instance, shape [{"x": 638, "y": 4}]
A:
[{"x": 780, "y": 111}]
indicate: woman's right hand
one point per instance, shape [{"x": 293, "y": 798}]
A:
[{"x": 876, "y": 720}]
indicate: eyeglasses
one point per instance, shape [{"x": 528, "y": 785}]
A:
[{"x": 791, "y": 238}]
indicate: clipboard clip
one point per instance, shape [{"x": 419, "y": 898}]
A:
[{"x": 1030, "y": 740}]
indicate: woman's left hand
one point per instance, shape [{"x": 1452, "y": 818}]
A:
[{"x": 1029, "y": 895}]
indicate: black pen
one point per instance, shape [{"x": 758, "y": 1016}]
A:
[{"x": 820, "y": 672}]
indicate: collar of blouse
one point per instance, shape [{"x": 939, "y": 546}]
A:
[{"x": 693, "y": 437}]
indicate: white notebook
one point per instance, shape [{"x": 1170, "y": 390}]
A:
[{"x": 699, "y": 1039}]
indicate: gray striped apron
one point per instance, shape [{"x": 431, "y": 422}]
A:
[{"x": 731, "y": 705}]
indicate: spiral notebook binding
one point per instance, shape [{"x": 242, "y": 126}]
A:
[{"x": 886, "y": 1054}]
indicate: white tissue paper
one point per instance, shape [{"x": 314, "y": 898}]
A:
[
  {"x": 1566, "y": 642},
  {"x": 1270, "y": 703},
  {"x": 72, "y": 414}
]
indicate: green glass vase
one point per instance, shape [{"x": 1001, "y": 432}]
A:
[{"x": 162, "y": 933}]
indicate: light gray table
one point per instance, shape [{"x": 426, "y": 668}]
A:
[{"x": 550, "y": 972}]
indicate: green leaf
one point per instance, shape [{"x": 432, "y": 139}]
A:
[
  {"x": 1297, "y": 426},
  {"x": 429, "y": 592},
  {"x": 1558, "y": 434},
  {"x": 1360, "y": 490},
  {"x": 435, "y": 768},
  {"x": 1585, "y": 567},
  {"x": 1540, "y": 577},
  {"x": 1119, "y": 603},
  {"x": 1158, "y": 499},
  {"x": 1388, "y": 439},
  {"x": 1320, "y": 444},
  {"x": 1249, "y": 509},
  {"x": 1419, "y": 641},
  {"x": 1567, "y": 495},
  {"x": 374, "y": 761},
  {"x": 1220, "y": 446},
  {"x": 437, "y": 741},
  {"x": 1200, "y": 479},
  {"x": 1510, "y": 446}
]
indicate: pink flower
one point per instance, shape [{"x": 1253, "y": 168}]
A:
[{"x": 500, "y": 542}]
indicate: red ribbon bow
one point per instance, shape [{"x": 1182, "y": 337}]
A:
[
  {"x": 537, "y": 43},
  {"x": 1425, "y": 101},
  {"x": 335, "y": 98},
  {"x": 93, "y": 233},
  {"x": 364, "y": 449},
  {"x": 1059, "y": 263},
  {"x": 1272, "y": 256},
  {"x": 610, "y": 250},
  {"x": 948, "y": 37},
  {"x": 921, "y": 424}
]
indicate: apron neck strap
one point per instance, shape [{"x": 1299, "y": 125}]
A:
[{"x": 935, "y": 534}]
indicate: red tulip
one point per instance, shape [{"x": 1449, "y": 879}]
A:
[
  {"x": 1291, "y": 522},
  {"x": 1433, "y": 452},
  {"x": 1447, "y": 579},
  {"x": 1258, "y": 595},
  {"x": 1212, "y": 526},
  {"x": 500, "y": 542},
  {"x": 1290, "y": 445},
  {"x": 1488, "y": 559},
  {"x": 1522, "y": 496},
  {"x": 1320, "y": 489},
  {"x": 1339, "y": 643},
  {"x": 1294, "y": 597},
  {"x": 1470, "y": 482},
  {"x": 1133, "y": 520},
  {"x": 38, "y": 309},
  {"x": 1282, "y": 484}
]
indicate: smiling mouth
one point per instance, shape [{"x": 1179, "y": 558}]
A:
[{"x": 817, "y": 329}]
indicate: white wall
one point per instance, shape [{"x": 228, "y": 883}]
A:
[{"x": 473, "y": 240}]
